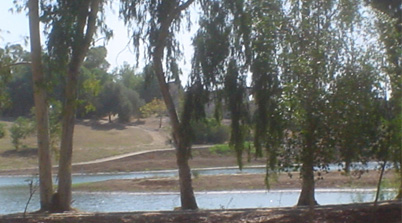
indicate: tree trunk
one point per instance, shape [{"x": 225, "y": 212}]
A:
[
  {"x": 307, "y": 197},
  {"x": 66, "y": 146},
  {"x": 41, "y": 110},
  {"x": 85, "y": 20},
  {"x": 188, "y": 201},
  {"x": 377, "y": 194},
  {"x": 399, "y": 195},
  {"x": 187, "y": 198}
]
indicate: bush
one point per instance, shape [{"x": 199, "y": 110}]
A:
[
  {"x": 209, "y": 132},
  {"x": 21, "y": 128},
  {"x": 225, "y": 149},
  {"x": 220, "y": 149},
  {"x": 2, "y": 130}
]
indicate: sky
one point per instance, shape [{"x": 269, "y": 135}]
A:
[{"x": 14, "y": 30}]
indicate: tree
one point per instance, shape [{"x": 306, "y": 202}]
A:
[
  {"x": 20, "y": 91},
  {"x": 21, "y": 128},
  {"x": 389, "y": 26},
  {"x": 158, "y": 21},
  {"x": 15, "y": 81},
  {"x": 157, "y": 107},
  {"x": 5, "y": 73},
  {"x": 73, "y": 25},
  {"x": 2, "y": 130},
  {"x": 294, "y": 52},
  {"x": 41, "y": 113},
  {"x": 222, "y": 57},
  {"x": 309, "y": 67}
]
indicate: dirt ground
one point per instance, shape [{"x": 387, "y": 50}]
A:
[
  {"x": 149, "y": 161},
  {"x": 385, "y": 212},
  {"x": 234, "y": 182}
]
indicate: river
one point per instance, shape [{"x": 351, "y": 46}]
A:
[{"x": 14, "y": 194}]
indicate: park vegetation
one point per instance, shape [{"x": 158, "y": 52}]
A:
[{"x": 304, "y": 83}]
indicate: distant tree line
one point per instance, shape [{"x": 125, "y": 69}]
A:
[{"x": 101, "y": 93}]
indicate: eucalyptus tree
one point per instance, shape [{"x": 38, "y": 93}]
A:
[
  {"x": 72, "y": 27},
  {"x": 311, "y": 48},
  {"x": 389, "y": 25},
  {"x": 158, "y": 21}
]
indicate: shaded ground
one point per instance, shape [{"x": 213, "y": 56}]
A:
[{"x": 386, "y": 212}]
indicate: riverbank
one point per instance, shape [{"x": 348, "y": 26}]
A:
[
  {"x": 389, "y": 212},
  {"x": 237, "y": 182},
  {"x": 202, "y": 157}
]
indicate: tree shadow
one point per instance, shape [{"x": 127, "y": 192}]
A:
[{"x": 22, "y": 152}]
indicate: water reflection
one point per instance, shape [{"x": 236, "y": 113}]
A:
[{"x": 14, "y": 200}]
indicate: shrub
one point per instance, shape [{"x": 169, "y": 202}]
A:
[
  {"x": 21, "y": 128},
  {"x": 209, "y": 132},
  {"x": 2, "y": 130},
  {"x": 220, "y": 149}
]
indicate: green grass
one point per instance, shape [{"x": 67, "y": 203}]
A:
[
  {"x": 224, "y": 149},
  {"x": 90, "y": 143},
  {"x": 221, "y": 149}
]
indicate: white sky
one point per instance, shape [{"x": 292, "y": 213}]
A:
[{"x": 14, "y": 30}]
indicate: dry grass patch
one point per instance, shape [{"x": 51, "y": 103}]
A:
[{"x": 91, "y": 141}]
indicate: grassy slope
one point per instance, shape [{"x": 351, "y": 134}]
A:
[{"x": 91, "y": 141}]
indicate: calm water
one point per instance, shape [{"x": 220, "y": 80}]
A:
[
  {"x": 13, "y": 199},
  {"x": 14, "y": 193}
]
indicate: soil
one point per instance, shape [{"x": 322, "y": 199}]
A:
[
  {"x": 234, "y": 182},
  {"x": 385, "y": 212},
  {"x": 158, "y": 160}
]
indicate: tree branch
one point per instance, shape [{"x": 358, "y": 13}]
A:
[
  {"x": 17, "y": 64},
  {"x": 184, "y": 6}
]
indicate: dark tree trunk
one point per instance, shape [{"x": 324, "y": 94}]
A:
[
  {"x": 41, "y": 110},
  {"x": 66, "y": 147},
  {"x": 307, "y": 197},
  {"x": 399, "y": 196},
  {"x": 187, "y": 198}
]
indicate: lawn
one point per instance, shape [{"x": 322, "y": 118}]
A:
[{"x": 92, "y": 141}]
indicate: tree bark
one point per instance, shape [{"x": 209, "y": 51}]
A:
[
  {"x": 307, "y": 197},
  {"x": 85, "y": 19},
  {"x": 66, "y": 146},
  {"x": 41, "y": 109},
  {"x": 399, "y": 195},
  {"x": 187, "y": 197}
]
